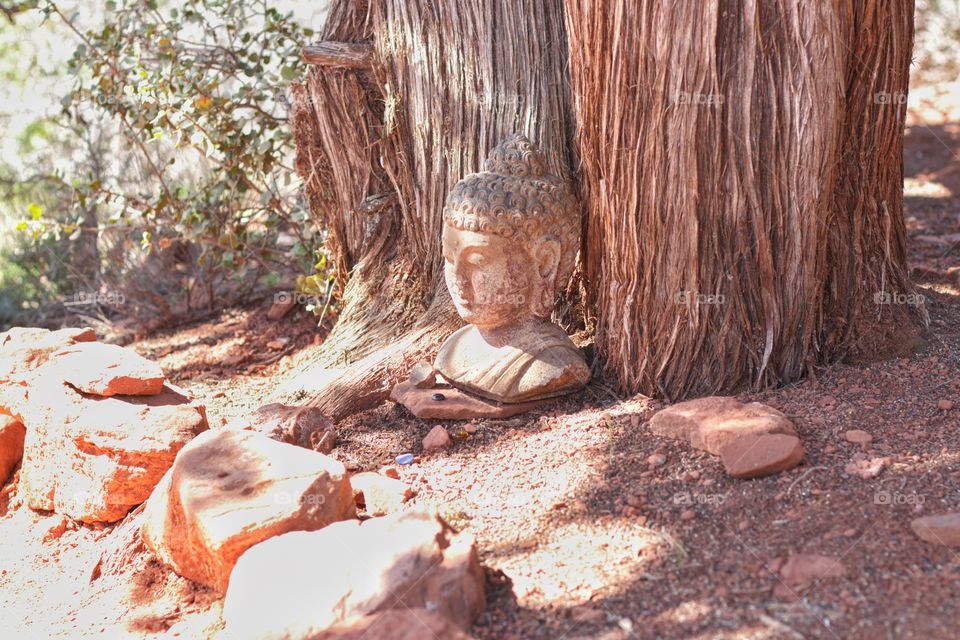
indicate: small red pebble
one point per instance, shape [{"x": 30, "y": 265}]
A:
[
  {"x": 391, "y": 472},
  {"x": 945, "y": 405},
  {"x": 857, "y": 436},
  {"x": 688, "y": 515},
  {"x": 656, "y": 460}
]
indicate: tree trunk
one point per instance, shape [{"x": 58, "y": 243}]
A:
[
  {"x": 740, "y": 171},
  {"x": 381, "y": 142},
  {"x": 742, "y": 175}
]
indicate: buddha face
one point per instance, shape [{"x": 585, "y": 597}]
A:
[{"x": 495, "y": 281}]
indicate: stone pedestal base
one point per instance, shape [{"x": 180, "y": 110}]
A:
[{"x": 456, "y": 404}]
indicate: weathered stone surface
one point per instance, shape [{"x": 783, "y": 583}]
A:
[
  {"x": 12, "y": 434},
  {"x": 396, "y": 624},
  {"x": 939, "y": 529},
  {"x": 379, "y": 494},
  {"x": 714, "y": 422},
  {"x": 753, "y": 456},
  {"x": 423, "y": 376},
  {"x": 23, "y": 349},
  {"x": 456, "y": 405},
  {"x": 504, "y": 272},
  {"x": 94, "y": 458},
  {"x": 323, "y": 578},
  {"x": 306, "y": 427},
  {"x": 231, "y": 489},
  {"x": 106, "y": 370}
]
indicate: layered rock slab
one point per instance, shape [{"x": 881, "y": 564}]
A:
[{"x": 229, "y": 490}]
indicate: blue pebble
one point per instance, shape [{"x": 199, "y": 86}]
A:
[{"x": 405, "y": 458}]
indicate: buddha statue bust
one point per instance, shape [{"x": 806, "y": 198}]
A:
[{"x": 510, "y": 237}]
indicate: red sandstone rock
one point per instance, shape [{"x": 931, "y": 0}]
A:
[
  {"x": 23, "y": 349},
  {"x": 300, "y": 584},
  {"x": 12, "y": 434},
  {"x": 396, "y": 624},
  {"x": 423, "y": 376},
  {"x": 94, "y": 458},
  {"x": 753, "y": 456},
  {"x": 306, "y": 427},
  {"x": 802, "y": 569},
  {"x": 939, "y": 529},
  {"x": 379, "y": 494},
  {"x": 231, "y": 489},
  {"x": 437, "y": 439},
  {"x": 714, "y": 422},
  {"x": 857, "y": 436},
  {"x": 106, "y": 370}
]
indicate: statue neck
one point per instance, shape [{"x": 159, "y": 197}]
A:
[{"x": 507, "y": 334}]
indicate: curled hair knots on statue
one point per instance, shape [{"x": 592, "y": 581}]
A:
[{"x": 516, "y": 156}]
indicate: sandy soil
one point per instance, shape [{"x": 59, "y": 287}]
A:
[{"x": 583, "y": 533}]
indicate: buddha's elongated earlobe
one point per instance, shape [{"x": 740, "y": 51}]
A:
[{"x": 547, "y": 257}]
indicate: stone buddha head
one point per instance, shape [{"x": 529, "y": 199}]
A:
[{"x": 510, "y": 237}]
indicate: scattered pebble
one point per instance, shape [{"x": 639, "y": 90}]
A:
[
  {"x": 858, "y": 436},
  {"x": 945, "y": 405},
  {"x": 941, "y": 529},
  {"x": 438, "y": 438},
  {"x": 404, "y": 459},
  {"x": 865, "y": 467}
]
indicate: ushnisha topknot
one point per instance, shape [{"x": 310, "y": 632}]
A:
[
  {"x": 516, "y": 156},
  {"x": 514, "y": 197}
]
